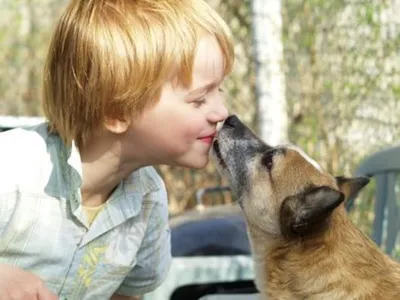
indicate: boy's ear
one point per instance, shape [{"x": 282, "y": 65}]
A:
[
  {"x": 116, "y": 125},
  {"x": 350, "y": 186},
  {"x": 308, "y": 211}
]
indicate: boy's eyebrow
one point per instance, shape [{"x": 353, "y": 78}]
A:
[{"x": 204, "y": 88}]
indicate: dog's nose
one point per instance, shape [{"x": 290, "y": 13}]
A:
[{"x": 232, "y": 121}]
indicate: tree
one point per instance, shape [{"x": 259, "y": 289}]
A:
[{"x": 270, "y": 79}]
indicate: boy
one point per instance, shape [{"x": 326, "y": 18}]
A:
[{"x": 127, "y": 84}]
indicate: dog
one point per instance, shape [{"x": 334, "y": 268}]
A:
[{"x": 303, "y": 244}]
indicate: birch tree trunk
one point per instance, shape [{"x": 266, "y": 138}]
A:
[{"x": 270, "y": 78}]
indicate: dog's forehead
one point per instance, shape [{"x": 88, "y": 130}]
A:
[{"x": 306, "y": 157}]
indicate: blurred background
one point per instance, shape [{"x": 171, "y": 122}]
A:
[{"x": 321, "y": 74}]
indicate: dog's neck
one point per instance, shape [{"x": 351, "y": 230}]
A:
[{"x": 328, "y": 265}]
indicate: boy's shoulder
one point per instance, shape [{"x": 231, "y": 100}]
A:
[
  {"x": 21, "y": 140},
  {"x": 22, "y": 150}
]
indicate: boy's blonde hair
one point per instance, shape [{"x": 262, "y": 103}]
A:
[{"x": 109, "y": 58}]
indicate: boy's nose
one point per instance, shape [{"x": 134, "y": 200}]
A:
[{"x": 219, "y": 114}]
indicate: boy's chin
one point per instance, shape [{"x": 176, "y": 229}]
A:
[{"x": 198, "y": 164}]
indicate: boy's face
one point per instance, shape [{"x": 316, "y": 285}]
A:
[{"x": 180, "y": 128}]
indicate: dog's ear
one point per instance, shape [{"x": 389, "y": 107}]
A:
[
  {"x": 308, "y": 211},
  {"x": 350, "y": 186}
]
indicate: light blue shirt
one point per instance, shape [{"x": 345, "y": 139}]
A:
[{"x": 44, "y": 229}]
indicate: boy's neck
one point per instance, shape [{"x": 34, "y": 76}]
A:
[{"x": 103, "y": 168}]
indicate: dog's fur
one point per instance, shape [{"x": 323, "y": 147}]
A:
[{"x": 303, "y": 243}]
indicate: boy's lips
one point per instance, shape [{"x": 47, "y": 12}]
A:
[{"x": 208, "y": 139}]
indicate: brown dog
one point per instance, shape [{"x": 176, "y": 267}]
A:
[{"x": 303, "y": 243}]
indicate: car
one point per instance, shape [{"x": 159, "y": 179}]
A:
[{"x": 210, "y": 254}]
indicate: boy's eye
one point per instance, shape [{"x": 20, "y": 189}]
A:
[{"x": 199, "y": 103}]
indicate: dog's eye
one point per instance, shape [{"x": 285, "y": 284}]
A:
[{"x": 268, "y": 159}]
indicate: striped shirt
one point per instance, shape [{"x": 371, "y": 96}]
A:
[{"x": 44, "y": 228}]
